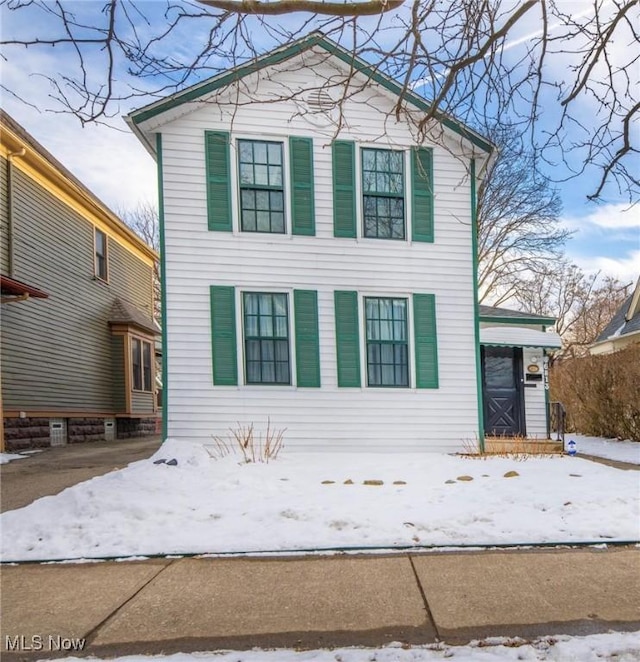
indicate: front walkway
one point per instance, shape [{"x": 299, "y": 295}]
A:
[
  {"x": 54, "y": 469},
  {"x": 200, "y": 604}
]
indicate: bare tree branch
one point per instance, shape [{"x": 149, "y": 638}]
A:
[{"x": 366, "y": 8}]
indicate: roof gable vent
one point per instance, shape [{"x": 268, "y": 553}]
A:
[
  {"x": 319, "y": 109},
  {"x": 320, "y": 101}
]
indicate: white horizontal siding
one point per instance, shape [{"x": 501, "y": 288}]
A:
[
  {"x": 326, "y": 418},
  {"x": 534, "y": 398}
]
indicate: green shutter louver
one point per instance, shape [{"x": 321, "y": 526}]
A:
[
  {"x": 422, "y": 194},
  {"x": 426, "y": 350},
  {"x": 347, "y": 338},
  {"x": 305, "y": 306},
  {"x": 344, "y": 189},
  {"x": 303, "y": 220},
  {"x": 218, "y": 182},
  {"x": 223, "y": 336}
]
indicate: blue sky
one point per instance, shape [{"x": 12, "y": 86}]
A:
[{"x": 113, "y": 164}]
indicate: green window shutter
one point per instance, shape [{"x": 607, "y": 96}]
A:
[
  {"x": 347, "y": 338},
  {"x": 422, "y": 194},
  {"x": 218, "y": 182},
  {"x": 302, "y": 194},
  {"x": 344, "y": 189},
  {"x": 223, "y": 336},
  {"x": 305, "y": 305},
  {"x": 426, "y": 351}
]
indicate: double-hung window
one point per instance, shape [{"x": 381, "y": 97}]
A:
[
  {"x": 266, "y": 338},
  {"x": 383, "y": 193},
  {"x": 141, "y": 364},
  {"x": 387, "y": 342},
  {"x": 261, "y": 186},
  {"x": 100, "y": 239}
]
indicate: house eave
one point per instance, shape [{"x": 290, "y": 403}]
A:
[{"x": 195, "y": 92}]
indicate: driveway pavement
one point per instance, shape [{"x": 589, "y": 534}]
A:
[
  {"x": 54, "y": 469},
  {"x": 200, "y": 604}
]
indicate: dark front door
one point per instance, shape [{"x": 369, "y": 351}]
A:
[{"x": 502, "y": 384}]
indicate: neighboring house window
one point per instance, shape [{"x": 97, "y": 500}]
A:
[
  {"x": 383, "y": 193},
  {"x": 141, "y": 364},
  {"x": 261, "y": 186},
  {"x": 387, "y": 342},
  {"x": 101, "y": 254},
  {"x": 266, "y": 338}
]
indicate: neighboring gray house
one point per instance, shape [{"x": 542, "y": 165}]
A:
[
  {"x": 623, "y": 329},
  {"x": 77, "y": 299}
]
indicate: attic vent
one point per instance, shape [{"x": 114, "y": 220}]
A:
[{"x": 320, "y": 101}]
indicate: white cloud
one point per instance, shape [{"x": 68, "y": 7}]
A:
[
  {"x": 625, "y": 268},
  {"x": 109, "y": 160},
  {"x": 617, "y": 216}
]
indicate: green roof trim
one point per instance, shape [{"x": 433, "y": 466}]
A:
[
  {"x": 548, "y": 321},
  {"x": 285, "y": 53}
]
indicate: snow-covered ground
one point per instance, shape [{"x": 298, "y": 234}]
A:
[
  {"x": 615, "y": 646},
  {"x": 612, "y": 449},
  {"x": 5, "y": 458},
  {"x": 305, "y": 501}
]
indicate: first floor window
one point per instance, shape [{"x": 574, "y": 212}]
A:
[
  {"x": 266, "y": 338},
  {"x": 383, "y": 193},
  {"x": 141, "y": 364},
  {"x": 261, "y": 186},
  {"x": 101, "y": 254},
  {"x": 387, "y": 342}
]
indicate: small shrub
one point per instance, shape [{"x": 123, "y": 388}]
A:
[{"x": 253, "y": 447}]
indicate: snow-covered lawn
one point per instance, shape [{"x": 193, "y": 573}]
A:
[
  {"x": 618, "y": 646},
  {"x": 304, "y": 501},
  {"x": 612, "y": 449},
  {"x": 5, "y": 458}
]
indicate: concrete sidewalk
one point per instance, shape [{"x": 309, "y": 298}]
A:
[{"x": 171, "y": 605}]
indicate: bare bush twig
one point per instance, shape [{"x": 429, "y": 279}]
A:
[{"x": 253, "y": 447}]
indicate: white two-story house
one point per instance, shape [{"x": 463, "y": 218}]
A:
[{"x": 319, "y": 257}]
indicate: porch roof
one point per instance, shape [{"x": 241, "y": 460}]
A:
[{"x": 513, "y": 336}]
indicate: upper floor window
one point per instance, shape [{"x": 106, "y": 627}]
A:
[
  {"x": 141, "y": 364},
  {"x": 383, "y": 193},
  {"x": 261, "y": 186},
  {"x": 101, "y": 270},
  {"x": 387, "y": 342},
  {"x": 266, "y": 338}
]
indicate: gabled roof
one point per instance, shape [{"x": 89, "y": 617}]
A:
[
  {"x": 284, "y": 53},
  {"x": 507, "y": 316},
  {"x": 627, "y": 318},
  {"x": 123, "y": 312},
  {"x": 15, "y": 137}
]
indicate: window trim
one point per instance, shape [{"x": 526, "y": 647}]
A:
[
  {"x": 407, "y": 342},
  {"x": 143, "y": 341},
  {"x": 362, "y": 339},
  {"x": 359, "y": 190},
  {"x": 261, "y": 187},
  {"x": 96, "y": 256},
  {"x": 362, "y": 192},
  {"x": 234, "y": 179},
  {"x": 241, "y": 346}
]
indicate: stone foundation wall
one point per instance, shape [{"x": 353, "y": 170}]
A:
[
  {"x": 85, "y": 429},
  {"x": 126, "y": 428},
  {"x": 24, "y": 433}
]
